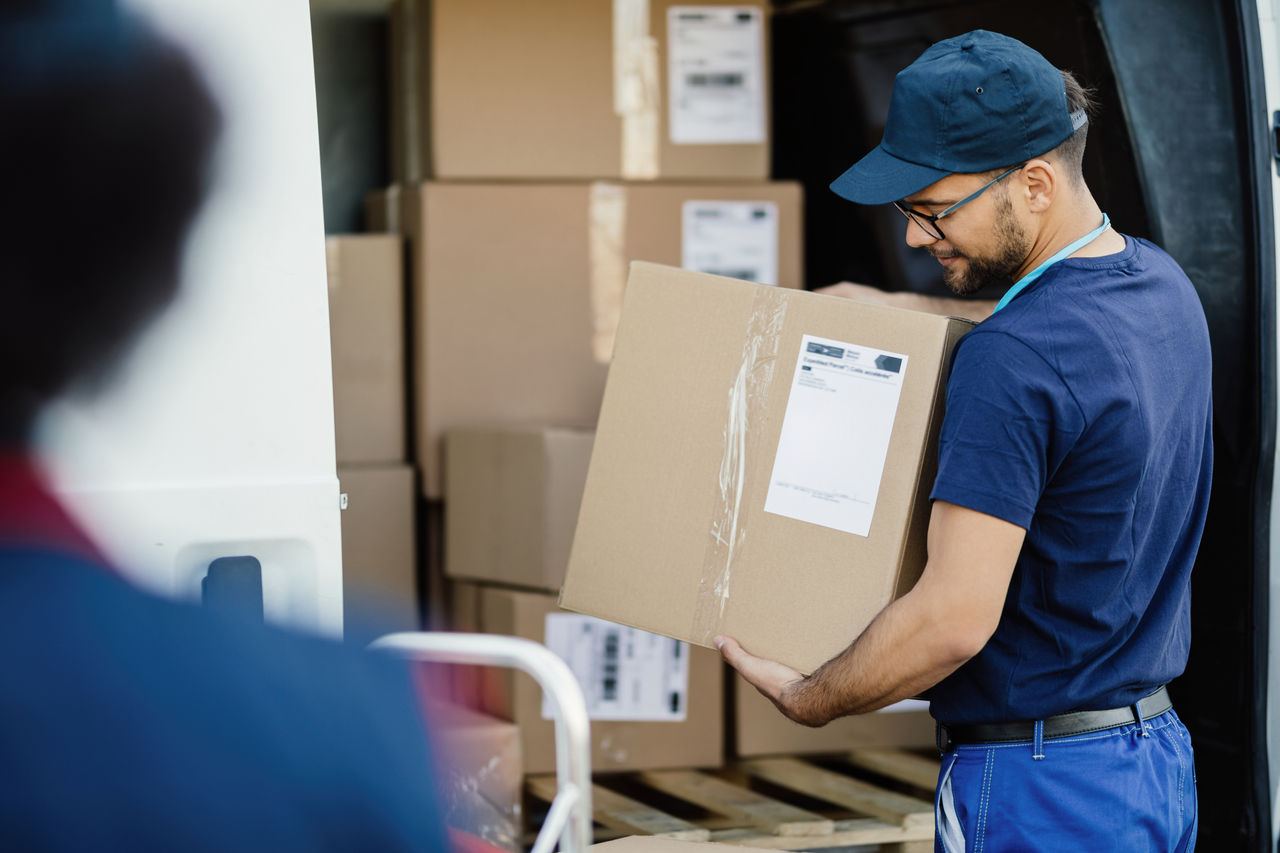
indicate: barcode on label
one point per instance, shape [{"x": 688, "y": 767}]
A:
[
  {"x": 726, "y": 80},
  {"x": 609, "y": 683},
  {"x": 741, "y": 272},
  {"x": 625, "y": 673}
]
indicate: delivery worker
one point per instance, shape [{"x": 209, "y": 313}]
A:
[
  {"x": 128, "y": 722},
  {"x": 1073, "y": 479}
]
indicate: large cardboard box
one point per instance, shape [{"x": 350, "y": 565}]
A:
[
  {"x": 379, "y": 548},
  {"x": 760, "y": 729},
  {"x": 512, "y": 496},
  {"x": 366, "y": 324},
  {"x": 762, "y": 464},
  {"x": 581, "y": 89},
  {"x": 517, "y": 287},
  {"x": 640, "y": 666},
  {"x": 480, "y": 772}
]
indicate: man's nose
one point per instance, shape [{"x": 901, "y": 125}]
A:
[{"x": 916, "y": 236}]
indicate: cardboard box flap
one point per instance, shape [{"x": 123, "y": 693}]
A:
[{"x": 683, "y": 465}]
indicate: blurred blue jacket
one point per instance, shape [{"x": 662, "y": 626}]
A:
[{"x": 128, "y": 722}]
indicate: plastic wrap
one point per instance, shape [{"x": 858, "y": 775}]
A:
[{"x": 480, "y": 774}]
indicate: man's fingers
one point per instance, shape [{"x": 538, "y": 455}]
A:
[
  {"x": 729, "y": 649},
  {"x": 767, "y": 676}
]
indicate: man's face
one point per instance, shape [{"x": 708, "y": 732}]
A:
[{"x": 984, "y": 243}]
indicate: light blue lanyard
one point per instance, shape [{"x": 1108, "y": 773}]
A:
[{"x": 1066, "y": 252}]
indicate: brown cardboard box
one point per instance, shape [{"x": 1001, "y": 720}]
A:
[
  {"x": 697, "y": 741},
  {"x": 465, "y": 682},
  {"x": 761, "y": 466},
  {"x": 512, "y": 502},
  {"x": 760, "y": 729},
  {"x": 581, "y": 89},
  {"x": 480, "y": 772},
  {"x": 382, "y": 209},
  {"x": 379, "y": 561},
  {"x": 516, "y": 287},
  {"x": 366, "y": 324}
]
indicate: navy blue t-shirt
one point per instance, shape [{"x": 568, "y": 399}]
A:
[{"x": 1081, "y": 412}]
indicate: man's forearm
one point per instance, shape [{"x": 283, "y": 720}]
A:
[
  {"x": 907, "y": 649},
  {"x": 917, "y": 640}
]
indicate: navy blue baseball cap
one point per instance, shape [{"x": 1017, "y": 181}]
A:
[{"x": 972, "y": 103}]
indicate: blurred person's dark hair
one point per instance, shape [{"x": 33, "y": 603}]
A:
[{"x": 106, "y": 132}]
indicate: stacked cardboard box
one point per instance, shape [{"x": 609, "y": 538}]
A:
[
  {"x": 760, "y": 730},
  {"x": 653, "y": 702},
  {"x": 580, "y": 89},
  {"x": 513, "y": 497},
  {"x": 516, "y": 288},
  {"x": 366, "y": 317}
]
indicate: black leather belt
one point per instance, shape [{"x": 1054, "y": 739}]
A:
[{"x": 1059, "y": 725}]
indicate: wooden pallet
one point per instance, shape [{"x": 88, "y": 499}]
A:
[{"x": 864, "y": 797}]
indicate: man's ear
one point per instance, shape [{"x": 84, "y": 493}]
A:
[{"x": 1039, "y": 182}]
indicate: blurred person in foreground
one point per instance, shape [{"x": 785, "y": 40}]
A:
[
  {"x": 128, "y": 722},
  {"x": 1074, "y": 470}
]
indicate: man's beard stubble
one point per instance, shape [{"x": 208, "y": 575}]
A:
[{"x": 980, "y": 272}]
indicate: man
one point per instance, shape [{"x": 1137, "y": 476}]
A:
[
  {"x": 128, "y": 722},
  {"x": 1073, "y": 479}
]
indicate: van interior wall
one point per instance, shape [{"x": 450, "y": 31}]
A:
[
  {"x": 351, "y": 60},
  {"x": 1170, "y": 157}
]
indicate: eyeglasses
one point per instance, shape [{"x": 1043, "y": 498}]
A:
[{"x": 929, "y": 223}]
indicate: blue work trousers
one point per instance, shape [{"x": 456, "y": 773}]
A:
[{"x": 1130, "y": 788}]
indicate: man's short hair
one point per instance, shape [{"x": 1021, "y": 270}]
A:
[{"x": 1070, "y": 153}]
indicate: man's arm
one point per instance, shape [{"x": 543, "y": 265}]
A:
[
  {"x": 917, "y": 640},
  {"x": 976, "y": 310}
]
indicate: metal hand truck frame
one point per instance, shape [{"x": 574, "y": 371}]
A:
[{"x": 569, "y": 818}]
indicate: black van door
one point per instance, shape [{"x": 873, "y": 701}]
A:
[{"x": 1181, "y": 153}]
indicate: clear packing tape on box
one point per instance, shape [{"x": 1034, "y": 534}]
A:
[
  {"x": 637, "y": 87},
  {"x": 748, "y": 402}
]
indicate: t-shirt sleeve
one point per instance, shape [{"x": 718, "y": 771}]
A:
[{"x": 1008, "y": 422}]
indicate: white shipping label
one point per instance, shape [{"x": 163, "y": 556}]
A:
[
  {"x": 835, "y": 434},
  {"x": 715, "y": 73},
  {"x": 738, "y": 239},
  {"x": 625, "y": 673}
]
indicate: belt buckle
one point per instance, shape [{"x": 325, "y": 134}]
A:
[{"x": 942, "y": 737}]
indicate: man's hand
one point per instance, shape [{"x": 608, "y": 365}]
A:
[
  {"x": 857, "y": 292},
  {"x": 976, "y": 310},
  {"x": 778, "y": 682}
]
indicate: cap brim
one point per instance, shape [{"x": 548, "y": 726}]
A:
[{"x": 880, "y": 178}]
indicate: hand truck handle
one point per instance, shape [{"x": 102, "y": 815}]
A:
[{"x": 569, "y": 818}]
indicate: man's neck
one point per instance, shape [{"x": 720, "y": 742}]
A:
[{"x": 1067, "y": 225}]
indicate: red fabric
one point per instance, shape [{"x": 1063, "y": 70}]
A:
[
  {"x": 31, "y": 515},
  {"x": 465, "y": 842}
]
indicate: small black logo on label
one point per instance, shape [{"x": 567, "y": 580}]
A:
[
  {"x": 889, "y": 363},
  {"x": 824, "y": 349}
]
